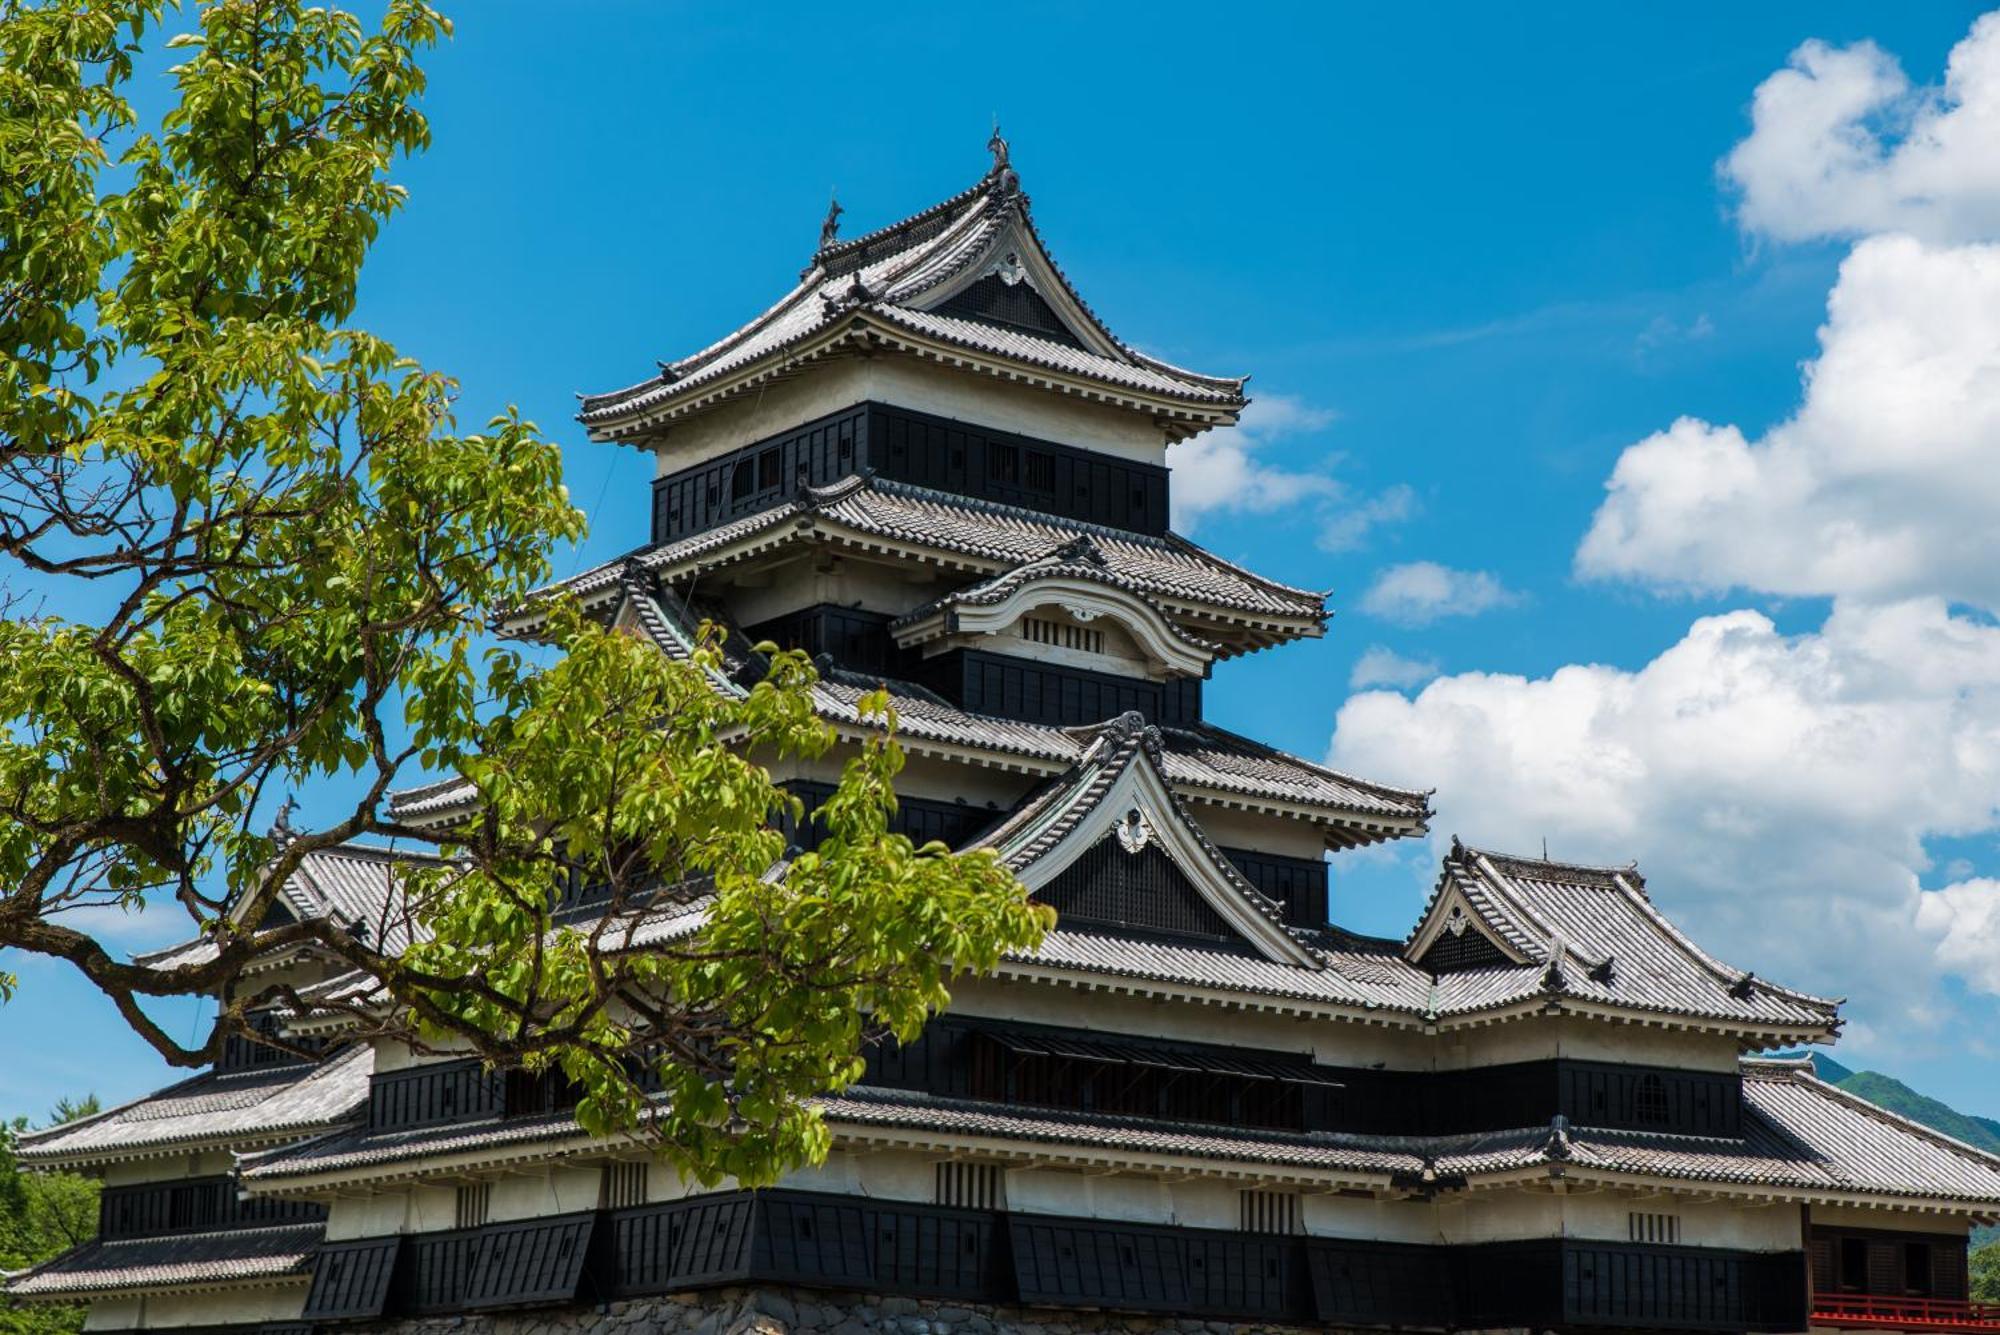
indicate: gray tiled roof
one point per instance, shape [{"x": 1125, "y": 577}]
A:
[
  {"x": 1089, "y": 568},
  {"x": 352, "y": 883},
  {"x": 880, "y": 284},
  {"x": 1799, "y": 1135},
  {"x": 990, "y": 537},
  {"x": 212, "y": 1109},
  {"x": 1593, "y": 935},
  {"x": 1204, "y": 762},
  {"x": 185, "y": 1259}
]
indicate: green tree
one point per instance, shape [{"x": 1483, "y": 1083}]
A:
[
  {"x": 1986, "y": 1273},
  {"x": 42, "y": 1215},
  {"x": 248, "y": 548}
]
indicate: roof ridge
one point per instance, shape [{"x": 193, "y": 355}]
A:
[
  {"x": 841, "y": 248},
  {"x": 1381, "y": 789},
  {"x": 1177, "y": 540}
]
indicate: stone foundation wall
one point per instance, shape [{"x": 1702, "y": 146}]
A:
[{"x": 786, "y": 1311}]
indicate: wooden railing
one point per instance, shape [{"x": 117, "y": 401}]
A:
[{"x": 1863, "y": 1311}]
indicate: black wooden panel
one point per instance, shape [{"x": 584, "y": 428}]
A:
[
  {"x": 920, "y": 819},
  {"x": 1089, "y": 1264},
  {"x": 758, "y": 476},
  {"x": 1037, "y": 475},
  {"x": 690, "y": 1243},
  {"x": 351, "y": 1280},
  {"x": 1379, "y": 1283},
  {"x": 1634, "y": 1098},
  {"x": 243, "y": 1052},
  {"x": 1243, "y": 1274},
  {"x": 1007, "y": 686},
  {"x": 957, "y": 457},
  {"x": 820, "y": 1239},
  {"x": 1880, "y": 1262},
  {"x": 935, "y": 1251},
  {"x": 1141, "y": 892},
  {"x": 1297, "y": 883},
  {"x": 855, "y": 639},
  {"x": 439, "y": 1271},
  {"x": 192, "y": 1206},
  {"x": 440, "y": 1092},
  {"x": 531, "y": 1262},
  {"x": 1507, "y": 1284}
]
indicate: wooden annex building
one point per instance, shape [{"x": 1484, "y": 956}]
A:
[{"x": 1200, "y": 1101}]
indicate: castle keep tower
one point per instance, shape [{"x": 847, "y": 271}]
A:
[{"x": 934, "y": 468}]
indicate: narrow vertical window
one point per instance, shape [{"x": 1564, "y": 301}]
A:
[
  {"x": 473, "y": 1204},
  {"x": 971, "y": 1186},
  {"x": 1270, "y": 1212},
  {"x": 624, "y": 1185}
]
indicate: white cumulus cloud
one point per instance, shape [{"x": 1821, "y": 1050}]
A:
[
  {"x": 1842, "y": 145},
  {"x": 1382, "y": 666},
  {"x": 1777, "y": 791},
  {"x": 1419, "y": 592},
  {"x": 1884, "y": 483},
  {"x": 1225, "y": 470}
]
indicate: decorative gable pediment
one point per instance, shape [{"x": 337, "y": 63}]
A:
[
  {"x": 1143, "y": 863},
  {"x": 1461, "y": 931}
]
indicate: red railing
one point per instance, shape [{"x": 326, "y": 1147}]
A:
[{"x": 1869, "y": 1312}]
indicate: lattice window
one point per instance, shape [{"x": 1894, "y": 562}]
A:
[
  {"x": 972, "y": 1186},
  {"x": 1271, "y": 1212},
  {"x": 1644, "y": 1226},
  {"x": 1062, "y": 635},
  {"x": 473, "y": 1204},
  {"x": 624, "y": 1185},
  {"x": 1649, "y": 1101}
]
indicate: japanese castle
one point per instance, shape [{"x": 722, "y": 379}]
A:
[{"x": 1200, "y": 1104}]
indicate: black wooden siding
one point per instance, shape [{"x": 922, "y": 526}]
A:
[
  {"x": 352, "y": 1280},
  {"x": 1033, "y": 692},
  {"x": 526, "y": 1263},
  {"x": 438, "y": 1092},
  {"x": 920, "y": 819},
  {"x": 974, "y": 1059},
  {"x": 938, "y": 452},
  {"x": 1885, "y": 1257},
  {"x": 194, "y": 1205},
  {"x": 854, "y": 1243},
  {"x": 854, "y": 639},
  {"x": 1297, "y": 883}
]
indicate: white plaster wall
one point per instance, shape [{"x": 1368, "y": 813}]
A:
[
  {"x": 1745, "y": 1225},
  {"x": 1270, "y": 834},
  {"x": 1123, "y": 1196},
  {"x": 1540, "y": 1037},
  {"x": 1358, "y": 1215},
  {"x": 558, "y": 1189},
  {"x": 161, "y": 1311},
  {"x": 829, "y": 386},
  {"x": 167, "y": 1168},
  {"x": 803, "y": 578}
]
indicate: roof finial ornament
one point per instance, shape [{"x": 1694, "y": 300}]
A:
[
  {"x": 829, "y": 230},
  {"x": 1003, "y": 169},
  {"x": 281, "y": 832}
]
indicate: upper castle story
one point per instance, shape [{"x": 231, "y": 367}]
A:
[{"x": 931, "y": 461}]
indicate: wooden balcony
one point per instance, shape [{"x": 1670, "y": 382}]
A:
[{"x": 1863, "y": 1311}]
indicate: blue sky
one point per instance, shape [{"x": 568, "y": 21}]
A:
[{"x": 1469, "y": 256}]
